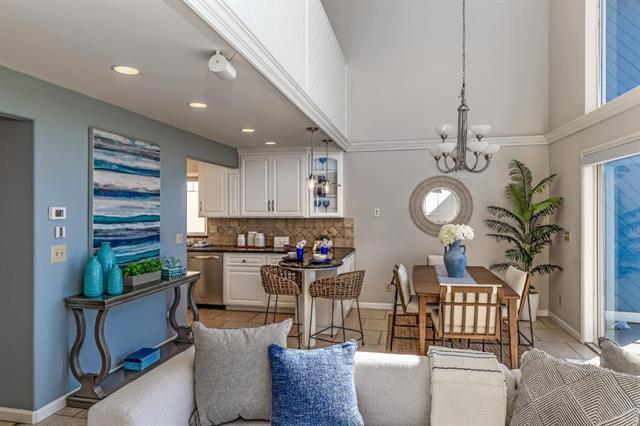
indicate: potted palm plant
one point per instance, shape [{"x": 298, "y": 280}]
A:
[{"x": 524, "y": 225}]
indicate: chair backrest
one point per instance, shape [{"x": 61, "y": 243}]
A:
[
  {"x": 469, "y": 312},
  {"x": 280, "y": 281},
  {"x": 401, "y": 281},
  {"x": 435, "y": 259},
  {"x": 345, "y": 286},
  {"x": 520, "y": 282}
]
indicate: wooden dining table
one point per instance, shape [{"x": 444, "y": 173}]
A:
[{"x": 427, "y": 287}]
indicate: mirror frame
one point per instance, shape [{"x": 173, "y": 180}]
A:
[{"x": 426, "y": 186}]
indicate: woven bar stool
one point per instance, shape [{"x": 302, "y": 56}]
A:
[
  {"x": 341, "y": 287},
  {"x": 279, "y": 281}
]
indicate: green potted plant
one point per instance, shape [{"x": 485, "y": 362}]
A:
[
  {"x": 524, "y": 225},
  {"x": 173, "y": 268},
  {"x": 145, "y": 271}
]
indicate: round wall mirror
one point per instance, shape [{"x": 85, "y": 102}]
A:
[{"x": 440, "y": 200}]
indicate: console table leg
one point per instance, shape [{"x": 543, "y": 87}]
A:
[
  {"x": 192, "y": 305},
  {"x": 101, "y": 343},
  {"x": 184, "y": 332},
  {"x": 90, "y": 389}
]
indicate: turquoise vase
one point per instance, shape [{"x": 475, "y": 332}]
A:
[
  {"x": 455, "y": 259},
  {"x": 107, "y": 259},
  {"x": 93, "y": 278},
  {"x": 115, "y": 282}
]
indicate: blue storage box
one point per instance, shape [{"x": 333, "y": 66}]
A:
[{"x": 141, "y": 359}]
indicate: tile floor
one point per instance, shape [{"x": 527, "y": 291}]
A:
[{"x": 549, "y": 337}]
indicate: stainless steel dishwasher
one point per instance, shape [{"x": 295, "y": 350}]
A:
[{"x": 209, "y": 290}]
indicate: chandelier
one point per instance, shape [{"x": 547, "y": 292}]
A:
[{"x": 448, "y": 161}]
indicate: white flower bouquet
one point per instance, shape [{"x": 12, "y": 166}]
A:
[{"x": 451, "y": 233}]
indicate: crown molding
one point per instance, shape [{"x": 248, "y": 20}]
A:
[
  {"x": 633, "y": 137},
  {"x": 618, "y": 105},
  {"x": 424, "y": 144},
  {"x": 226, "y": 23}
]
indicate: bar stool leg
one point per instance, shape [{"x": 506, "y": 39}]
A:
[
  {"x": 266, "y": 314},
  {"x": 344, "y": 334},
  {"x": 275, "y": 309},
  {"x": 333, "y": 305},
  {"x": 310, "y": 322},
  {"x": 359, "y": 320},
  {"x": 298, "y": 319}
]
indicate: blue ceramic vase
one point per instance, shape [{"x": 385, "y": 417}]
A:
[
  {"x": 93, "y": 278},
  {"x": 107, "y": 259},
  {"x": 455, "y": 259},
  {"x": 115, "y": 282}
]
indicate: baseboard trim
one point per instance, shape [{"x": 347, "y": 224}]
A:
[
  {"x": 33, "y": 417},
  {"x": 374, "y": 305},
  {"x": 566, "y": 327}
]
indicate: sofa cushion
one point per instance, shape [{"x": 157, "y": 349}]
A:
[
  {"x": 553, "y": 391},
  {"x": 314, "y": 387},
  {"x": 617, "y": 358},
  {"x": 231, "y": 371}
]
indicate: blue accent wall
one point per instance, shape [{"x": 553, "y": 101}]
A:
[{"x": 62, "y": 119}]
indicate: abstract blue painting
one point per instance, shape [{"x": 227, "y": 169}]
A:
[{"x": 126, "y": 196}]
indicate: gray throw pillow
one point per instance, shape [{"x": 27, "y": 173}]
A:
[
  {"x": 618, "y": 359},
  {"x": 556, "y": 392},
  {"x": 231, "y": 371}
]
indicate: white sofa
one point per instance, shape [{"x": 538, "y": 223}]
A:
[{"x": 392, "y": 390}]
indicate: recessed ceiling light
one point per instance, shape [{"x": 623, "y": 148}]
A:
[
  {"x": 269, "y": 143},
  {"x": 126, "y": 70},
  {"x": 247, "y": 130},
  {"x": 199, "y": 105}
]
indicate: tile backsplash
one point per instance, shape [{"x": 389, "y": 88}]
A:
[{"x": 224, "y": 231}]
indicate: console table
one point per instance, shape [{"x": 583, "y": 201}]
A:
[{"x": 94, "y": 387}]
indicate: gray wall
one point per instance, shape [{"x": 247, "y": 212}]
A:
[
  {"x": 16, "y": 271},
  {"x": 387, "y": 179},
  {"x": 61, "y": 125}
]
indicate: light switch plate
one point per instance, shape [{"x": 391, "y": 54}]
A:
[
  {"x": 376, "y": 212},
  {"x": 60, "y": 232},
  {"x": 567, "y": 236},
  {"x": 58, "y": 253},
  {"x": 179, "y": 238}
]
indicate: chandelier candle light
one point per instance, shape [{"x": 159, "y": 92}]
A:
[{"x": 443, "y": 151}]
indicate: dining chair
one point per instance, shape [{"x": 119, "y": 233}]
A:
[
  {"x": 341, "y": 287},
  {"x": 402, "y": 298},
  {"x": 280, "y": 281},
  {"x": 520, "y": 282},
  {"x": 468, "y": 312}
]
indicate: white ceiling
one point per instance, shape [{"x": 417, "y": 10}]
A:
[
  {"x": 73, "y": 44},
  {"x": 404, "y": 66}
]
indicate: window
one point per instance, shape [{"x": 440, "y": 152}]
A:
[
  {"x": 620, "y": 49},
  {"x": 620, "y": 303},
  {"x": 196, "y": 225}
]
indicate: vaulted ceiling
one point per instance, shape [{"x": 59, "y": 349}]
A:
[{"x": 74, "y": 44}]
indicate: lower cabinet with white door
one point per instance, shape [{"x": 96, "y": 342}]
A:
[{"x": 243, "y": 284}]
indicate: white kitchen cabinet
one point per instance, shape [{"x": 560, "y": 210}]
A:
[
  {"x": 272, "y": 185},
  {"x": 242, "y": 281},
  {"x": 329, "y": 203},
  {"x": 255, "y": 191},
  {"x": 234, "y": 193},
  {"x": 212, "y": 190}
]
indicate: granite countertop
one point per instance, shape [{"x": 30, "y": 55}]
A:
[{"x": 336, "y": 255}]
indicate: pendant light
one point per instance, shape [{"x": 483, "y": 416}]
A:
[{"x": 311, "y": 180}]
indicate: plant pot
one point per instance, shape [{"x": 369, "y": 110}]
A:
[
  {"x": 142, "y": 279},
  {"x": 535, "y": 299}
]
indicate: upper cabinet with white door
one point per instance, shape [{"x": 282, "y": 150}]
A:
[
  {"x": 326, "y": 200},
  {"x": 212, "y": 190},
  {"x": 272, "y": 185}
]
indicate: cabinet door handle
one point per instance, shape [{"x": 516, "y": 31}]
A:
[
  {"x": 244, "y": 260},
  {"x": 269, "y": 205}
]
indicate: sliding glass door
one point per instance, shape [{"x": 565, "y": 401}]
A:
[{"x": 620, "y": 232}]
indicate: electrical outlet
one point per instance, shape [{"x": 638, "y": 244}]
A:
[
  {"x": 59, "y": 253},
  {"x": 567, "y": 236},
  {"x": 179, "y": 238},
  {"x": 376, "y": 212},
  {"x": 387, "y": 287}
]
